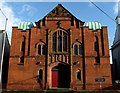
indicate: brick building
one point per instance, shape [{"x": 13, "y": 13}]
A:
[{"x": 59, "y": 52}]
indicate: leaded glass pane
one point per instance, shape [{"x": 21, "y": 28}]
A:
[
  {"x": 75, "y": 49},
  {"x": 44, "y": 50},
  {"x": 54, "y": 42},
  {"x": 39, "y": 49},
  {"x": 80, "y": 49},
  {"x": 65, "y": 43},
  {"x": 60, "y": 43}
]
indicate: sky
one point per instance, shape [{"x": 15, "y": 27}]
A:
[{"x": 17, "y": 12}]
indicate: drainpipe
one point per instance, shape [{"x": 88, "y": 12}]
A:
[
  {"x": 46, "y": 60},
  {"x": 29, "y": 42},
  {"x": 83, "y": 57},
  {"x": 70, "y": 55}
]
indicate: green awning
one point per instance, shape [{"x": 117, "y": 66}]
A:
[
  {"x": 25, "y": 25},
  {"x": 93, "y": 25}
]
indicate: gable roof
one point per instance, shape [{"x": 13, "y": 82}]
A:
[{"x": 60, "y": 11}]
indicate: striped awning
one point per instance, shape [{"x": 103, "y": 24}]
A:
[
  {"x": 93, "y": 25},
  {"x": 25, "y": 25}
]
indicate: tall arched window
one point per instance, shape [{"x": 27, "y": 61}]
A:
[
  {"x": 65, "y": 42},
  {"x": 54, "y": 41},
  {"x": 59, "y": 41},
  {"x": 43, "y": 49},
  {"x": 39, "y": 49},
  {"x": 75, "y": 49}
]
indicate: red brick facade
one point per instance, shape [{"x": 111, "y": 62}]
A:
[{"x": 77, "y": 53}]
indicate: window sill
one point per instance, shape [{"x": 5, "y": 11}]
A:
[
  {"x": 20, "y": 64},
  {"x": 96, "y": 63},
  {"x": 58, "y": 53},
  {"x": 78, "y": 55},
  {"x": 41, "y": 55}
]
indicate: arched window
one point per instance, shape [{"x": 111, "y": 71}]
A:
[
  {"x": 79, "y": 75},
  {"x": 54, "y": 41},
  {"x": 59, "y": 41},
  {"x": 75, "y": 49},
  {"x": 43, "y": 49},
  {"x": 39, "y": 49}
]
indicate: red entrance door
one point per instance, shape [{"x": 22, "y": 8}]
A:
[{"x": 54, "y": 78}]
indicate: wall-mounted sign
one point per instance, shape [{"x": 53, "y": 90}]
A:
[{"x": 99, "y": 79}]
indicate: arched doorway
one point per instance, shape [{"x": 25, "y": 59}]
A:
[{"x": 61, "y": 76}]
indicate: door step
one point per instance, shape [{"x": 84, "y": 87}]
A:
[{"x": 60, "y": 89}]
